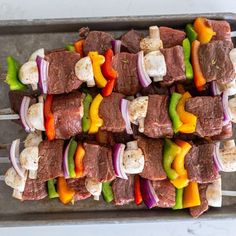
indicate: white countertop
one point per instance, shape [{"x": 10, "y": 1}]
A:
[{"x": 30, "y": 9}]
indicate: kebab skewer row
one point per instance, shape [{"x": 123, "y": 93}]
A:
[
  {"x": 131, "y": 160},
  {"x": 156, "y": 115},
  {"x": 156, "y": 63}
]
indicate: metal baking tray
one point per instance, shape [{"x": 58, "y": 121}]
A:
[{"x": 20, "y": 38}]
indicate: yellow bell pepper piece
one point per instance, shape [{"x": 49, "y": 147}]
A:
[
  {"x": 65, "y": 194},
  {"x": 178, "y": 165},
  {"x": 189, "y": 120},
  {"x": 97, "y": 61},
  {"x": 203, "y": 29},
  {"x": 191, "y": 195},
  {"x": 96, "y": 121}
]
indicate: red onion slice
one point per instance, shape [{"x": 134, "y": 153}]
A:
[
  {"x": 144, "y": 78},
  {"x": 118, "y": 152},
  {"x": 216, "y": 157},
  {"x": 148, "y": 193},
  {"x": 225, "y": 102},
  {"x": 124, "y": 111},
  {"x": 23, "y": 114},
  {"x": 215, "y": 89},
  {"x": 65, "y": 162},
  {"x": 116, "y": 46},
  {"x": 43, "y": 73},
  {"x": 14, "y": 157}
]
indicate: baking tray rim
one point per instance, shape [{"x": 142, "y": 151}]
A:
[{"x": 113, "y": 216}]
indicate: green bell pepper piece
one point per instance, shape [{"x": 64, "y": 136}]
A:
[
  {"x": 107, "y": 191},
  {"x": 187, "y": 52},
  {"x": 191, "y": 33},
  {"x": 12, "y": 80},
  {"x": 86, "y": 119},
  {"x": 170, "y": 151},
  {"x": 71, "y": 162},
  {"x": 70, "y": 47},
  {"x": 52, "y": 193},
  {"x": 178, "y": 199},
  {"x": 176, "y": 122}
]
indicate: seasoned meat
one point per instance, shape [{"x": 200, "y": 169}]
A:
[
  {"x": 226, "y": 133},
  {"x": 126, "y": 65},
  {"x": 61, "y": 72},
  {"x": 123, "y": 190},
  {"x": 165, "y": 192},
  {"x": 67, "y": 110},
  {"x": 171, "y": 37},
  {"x": 34, "y": 190},
  {"x": 131, "y": 40},
  {"x": 78, "y": 185},
  {"x": 199, "y": 210},
  {"x": 98, "y": 162},
  {"x": 215, "y": 62},
  {"x": 109, "y": 111},
  {"x": 50, "y": 159},
  {"x": 199, "y": 163},
  {"x": 157, "y": 122},
  {"x": 97, "y": 41},
  {"x": 209, "y": 112},
  {"x": 222, "y": 29},
  {"x": 16, "y": 97},
  {"x": 174, "y": 58},
  {"x": 154, "y": 89},
  {"x": 83, "y": 32},
  {"x": 152, "y": 149}
]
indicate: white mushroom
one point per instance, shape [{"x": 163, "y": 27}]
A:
[
  {"x": 152, "y": 42},
  {"x": 40, "y": 52},
  {"x": 33, "y": 139},
  {"x": 29, "y": 158},
  {"x": 133, "y": 160},
  {"x": 33, "y": 174},
  {"x": 214, "y": 193},
  {"x": 17, "y": 194},
  {"x": 137, "y": 111},
  {"x": 232, "y": 108},
  {"x": 36, "y": 116},
  {"x": 28, "y": 74},
  {"x": 229, "y": 87},
  {"x": 94, "y": 187},
  {"x": 155, "y": 65},
  {"x": 13, "y": 180},
  {"x": 84, "y": 71},
  {"x": 227, "y": 156}
]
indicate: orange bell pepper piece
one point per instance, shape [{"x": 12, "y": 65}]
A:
[
  {"x": 198, "y": 78},
  {"x": 65, "y": 194},
  {"x": 188, "y": 119},
  {"x": 178, "y": 165},
  {"x": 203, "y": 29},
  {"x": 97, "y": 61},
  {"x": 49, "y": 118},
  {"x": 191, "y": 195},
  {"x": 79, "y": 45},
  {"x": 79, "y": 166}
]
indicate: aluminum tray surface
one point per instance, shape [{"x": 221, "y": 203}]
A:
[{"x": 20, "y": 39}]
